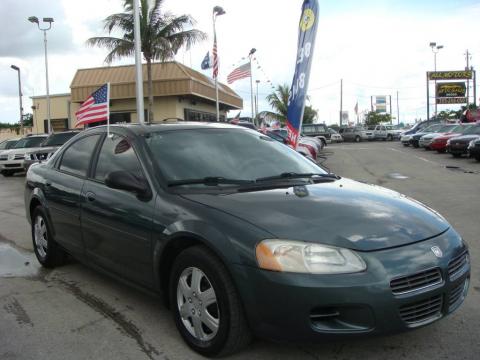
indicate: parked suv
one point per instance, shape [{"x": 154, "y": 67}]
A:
[
  {"x": 12, "y": 161},
  {"x": 356, "y": 134},
  {"x": 319, "y": 131},
  {"x": 48, "y": 147},
  {"x": 377, "y": 132}
]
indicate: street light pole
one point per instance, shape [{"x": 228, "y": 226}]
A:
[
  {"x": 435, "y": 49},
  {"x": 250, "y": 55},
  {"x": 16, "y": 68},
  {"x": 256, "y": 103},
  {"x": 34, "y": 20},
  {"x": 217, "y": 11}
]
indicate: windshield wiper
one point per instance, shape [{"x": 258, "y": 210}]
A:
[
  {"x": 209, "y": 181},
  {"x": 294, "y": 175}
]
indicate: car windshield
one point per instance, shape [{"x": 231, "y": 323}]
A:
[
  {"x": 431, "y": 128},
  {"x": 29, "y": 142},
  {"x": 332, "y": 131},
  {"x": 471, "y": 130},
  {"x": 8, "y": 144},
  {"x": 371, "y": 128},
  {"x": 446, "y": 128},
  {"x": 224, "y": 153},
  {"x": 58, "y": 139}
]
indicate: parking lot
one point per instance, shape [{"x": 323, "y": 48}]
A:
[{"x": 74, "y": 313}]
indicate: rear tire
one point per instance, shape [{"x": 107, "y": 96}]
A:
[
  {"x": 440, "y": 151},
  {"x": 477, "y": 158},
  {"x": 415, "y": 145},
  {"x": 47, "y": 251},
  {"x": 406, "y": 145},
  {"x": 224, "y": 313},
  {"x": 390, "y": 138}
]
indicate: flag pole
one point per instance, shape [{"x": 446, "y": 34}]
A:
[
  {"x": 250, "y": 55},
  {"x": 138, "y": 62},
  {"x": 108, "y": 109}
]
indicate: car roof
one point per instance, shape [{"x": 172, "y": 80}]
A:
[{"x": 138, "y": 129}]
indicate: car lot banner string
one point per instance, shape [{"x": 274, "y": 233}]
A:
[{"x": 298, "y": 91}]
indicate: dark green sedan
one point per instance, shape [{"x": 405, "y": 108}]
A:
[{"x": 243, "y": 236}]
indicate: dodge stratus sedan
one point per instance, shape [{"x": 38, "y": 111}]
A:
[{"x": 244, "y": 236}]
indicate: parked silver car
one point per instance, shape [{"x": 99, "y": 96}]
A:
[{"x": 356, "y": 134}]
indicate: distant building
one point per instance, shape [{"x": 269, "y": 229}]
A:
[{"x": 179, "y": 92}]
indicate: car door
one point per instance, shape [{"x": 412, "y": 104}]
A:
[
  {"x": 117, "y": 224},
  {"x": 62, "y": 192}
]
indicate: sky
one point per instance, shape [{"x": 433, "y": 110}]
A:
[{"x": 378, "y": 47}]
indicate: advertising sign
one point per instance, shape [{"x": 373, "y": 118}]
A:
[
  {"x": 298, "y": 91},
  {"x": 450, "y": 75},
  {"x": 452, "y": 100},
  {"x": 451, "y": 89},
  {"x": 380, "y": 104}
]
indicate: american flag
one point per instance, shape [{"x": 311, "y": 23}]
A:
[
  {"x": 95, "y": 108},
  {"x": 215, "y": 58},
  {"x": 241, "y": 72}
]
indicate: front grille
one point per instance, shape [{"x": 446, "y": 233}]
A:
[
  {"x": 422, "y": 310},
  {"x": 416, "y": 281},
  {"x": 3, "y": 157},
  {"x": 19, "y": 157},
  {"x": 456, "y": 294},
  {"x": 457, "y": 264}
]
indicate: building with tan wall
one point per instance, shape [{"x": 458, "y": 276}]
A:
[{"x": 179, "y": 92}]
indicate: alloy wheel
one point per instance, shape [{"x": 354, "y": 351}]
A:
[
  {"x": 197, "y": 304},
  {"x": 40, "y": 236}
]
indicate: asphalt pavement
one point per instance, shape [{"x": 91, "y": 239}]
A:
[{"x": 74, "y": 313}]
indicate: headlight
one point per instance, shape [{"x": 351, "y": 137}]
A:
[
  {"x": 28, "y": 157},
  {"x": 471, "y": 144},
  {"x": 303, "y": 257},
  {"x": 448, "y": 142}
]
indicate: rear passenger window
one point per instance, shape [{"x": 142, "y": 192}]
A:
[
  {"x": 76, "y": 159},
  {"x": 117, "y": 154}
]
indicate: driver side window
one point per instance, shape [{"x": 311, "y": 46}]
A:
[{"x": 117, "y": 154}]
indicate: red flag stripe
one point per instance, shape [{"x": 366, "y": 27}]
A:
[
  {"x": 90, "y": 108},
  {"x": 93, "y": 113}
]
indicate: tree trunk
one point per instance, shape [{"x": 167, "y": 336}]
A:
[{"x": 150, "y": 90}]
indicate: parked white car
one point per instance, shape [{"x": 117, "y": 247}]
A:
[{"x": 13, "y": 160}]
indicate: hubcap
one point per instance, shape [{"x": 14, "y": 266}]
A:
[
  {"x": 197, "y": 304},
  {"x": 40, "y": 236}
]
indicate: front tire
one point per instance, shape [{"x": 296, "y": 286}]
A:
[
  {"x": 47, "y": 251},
  {"x": 477, "y": 158},
  {"x": 7, "y": 173},
  {"x": 357, "y": 139},
  {"x": 206, "y": 307}
]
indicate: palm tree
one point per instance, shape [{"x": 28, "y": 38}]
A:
[
  {"x": 162, "y": 35},
  {"x": 278, "y": 100}
]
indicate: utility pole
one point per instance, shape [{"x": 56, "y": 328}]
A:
[
  {"x": 398, "y": 111},
  {"x": 341, "y": 101},
  {"x": 467, "y": 57},
  {"x": 390, "y": 98}
]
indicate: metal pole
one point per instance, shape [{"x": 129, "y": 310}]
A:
[
  {"x": 467, "y": 54},
  {"x": 390, "y": 100},
  {"x": 251, "y": 90},
  {"x": 138, "y": 63},
  {"x": 371, "y": 102},
  {"x": 20, "y": 97},
  {"x": 256, "y": 102},
  {"x": 474, "y": 87},
  {"x": 341, "y": 100},
  {"x": 428, "y": 99},
  {"x": 398, "y": 111},
  {"x": 435, "y": 92},
  {"x": 216, "y": 77},
  {"x": 48, "y": 88}
]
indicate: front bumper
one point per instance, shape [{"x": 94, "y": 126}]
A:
[
  {"x": 14, "y": 165},
  {"x": 425, "y": 142},
  {"x": 304, "y": 307}
]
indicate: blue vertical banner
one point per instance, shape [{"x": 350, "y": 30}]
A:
[{"x": 298, "y": 91}]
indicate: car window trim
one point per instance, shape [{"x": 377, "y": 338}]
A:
[{"x": 60, "y": 158}]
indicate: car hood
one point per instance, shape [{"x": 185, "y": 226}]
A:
[
  {"x": 343, "y": 213},
  {"x": 465, "y": 138}
]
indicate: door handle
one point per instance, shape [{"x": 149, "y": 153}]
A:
[
  {"x": 90, "y": 196},
  {"x": 48, "y": 184}
]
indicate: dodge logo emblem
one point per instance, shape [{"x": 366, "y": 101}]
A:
[{"x": 437, "y": 251}]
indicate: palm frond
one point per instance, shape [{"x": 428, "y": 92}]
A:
[{"x": 118, "y": 47}]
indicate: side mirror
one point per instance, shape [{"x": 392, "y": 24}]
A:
[{"x": 124, "y": 180}]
